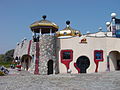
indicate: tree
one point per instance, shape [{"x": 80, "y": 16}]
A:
[
  {"x": 9, "y": 55},
  {"x": 2, "y": 57}
]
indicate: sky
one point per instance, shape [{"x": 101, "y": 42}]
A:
[{"x": 85, "y": 15}]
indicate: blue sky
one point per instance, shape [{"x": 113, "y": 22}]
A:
[{"x": 85, "y": 15}]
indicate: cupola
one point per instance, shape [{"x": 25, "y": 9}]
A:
[
  {"x": 67, "y": 32},
  {"x": 44, "y": 26}
]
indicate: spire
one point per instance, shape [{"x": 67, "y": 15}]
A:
[
  {"x": 44, "y": 17},
  {"x": 68, "y": 23}
]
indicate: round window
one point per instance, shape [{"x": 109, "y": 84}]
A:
[{"x": 65, "y": 33}]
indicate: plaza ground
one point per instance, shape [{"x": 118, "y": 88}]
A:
[{"x": 23, "y": 80}]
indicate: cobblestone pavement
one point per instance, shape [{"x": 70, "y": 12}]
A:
[{"x": 23, "y": 80}]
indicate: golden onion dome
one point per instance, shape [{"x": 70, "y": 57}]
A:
[
  {"x": 67, "y": 32},
  {"x": 45, "y": 25}
]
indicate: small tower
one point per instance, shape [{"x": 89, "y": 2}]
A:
[
  {"x": 43, "y": 36},
  {"x": 114, "y": 26}
]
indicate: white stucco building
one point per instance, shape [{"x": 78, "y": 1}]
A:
[{"x": 68, "y": 51}]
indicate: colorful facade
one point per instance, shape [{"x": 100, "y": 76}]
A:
[{"x": 68, "y": 51}]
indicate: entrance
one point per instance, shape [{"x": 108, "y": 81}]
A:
[
  {"x": 83, "y": 63},
  {"x": 50, "y": 67},
  {"x": 118, "y": 64},
  {"x": 26, "y": 61},
  {"x": 115, "y": 58}
]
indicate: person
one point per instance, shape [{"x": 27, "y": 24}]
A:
[{"x": 12, "y": 66}]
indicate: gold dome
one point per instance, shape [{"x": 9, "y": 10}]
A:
[
  {"x": 68, "y": 32},
  {"x": 44, "y": 25}
]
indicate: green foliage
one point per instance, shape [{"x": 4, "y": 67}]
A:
[
  {"x": 2, "y": 57},
  {"x": 7, "y": 58},
  {"x": 5, "y": 64},
  {"x": 9, "y": 55}
]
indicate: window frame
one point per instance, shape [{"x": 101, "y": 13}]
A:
[
  {"x": 71, "y": 55},
  {"x": 101, "y": 51},
  {"x": 66, "y": 62}
]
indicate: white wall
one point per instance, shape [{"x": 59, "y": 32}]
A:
[{"x": 107, "y": 44}]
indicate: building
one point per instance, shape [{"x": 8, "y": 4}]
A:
[{"x": 68, "y": 51}]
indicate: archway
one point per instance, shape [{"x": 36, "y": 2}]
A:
[
  {"x": 115, "y": 58},
  {"x": 26, "y": 61},
  {"x": 83, "y": 63},
  {"x": 16, "y": 58},
  {"x": 50, "y": 67}
]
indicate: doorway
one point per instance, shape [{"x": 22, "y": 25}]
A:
[
  {"x": 115, "y": 58},
  {"x": 26, "y": 61},
  {"x": 118, "y": 64},
  {"x": 83, "y": 63},
  {"x": 50, "y": 67}
]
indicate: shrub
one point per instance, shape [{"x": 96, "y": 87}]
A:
[{"x": 2, "y": 73}]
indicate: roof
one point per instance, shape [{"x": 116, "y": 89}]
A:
[
  {"x": 68, "y": 31},
  {"x": 44, "y": 25}
]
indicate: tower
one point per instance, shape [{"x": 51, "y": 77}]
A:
[
  {"x": 114, "y": 26},
  {"x": 45, "y": 40}
]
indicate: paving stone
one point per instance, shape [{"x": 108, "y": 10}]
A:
[{"x": 23, "y": 80}]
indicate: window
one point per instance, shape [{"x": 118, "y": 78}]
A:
[
  {"x": 66, "y": 54},
  {"x": 65, "y": 33},
  {"x": 98, "y": 55},
  {"x": 66, "y": 57}
]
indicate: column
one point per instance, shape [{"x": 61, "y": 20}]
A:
[
  {"x": 108, "y": 64},
  {"x": 50, "y": 32},
  {"x": 40, "y": 32}
]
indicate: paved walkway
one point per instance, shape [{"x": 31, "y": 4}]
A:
[{"x": 23, "y": 80}]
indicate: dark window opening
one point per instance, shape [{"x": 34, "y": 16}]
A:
[
  {"x": 22, "y": 44},
  {"x": 66, "y": 55},
  {"x": 50, "y": 67},
  {"x": 16, "y": 58},
  {"x": 65, "y": 33},
  {"x": 98, "y": 55}
]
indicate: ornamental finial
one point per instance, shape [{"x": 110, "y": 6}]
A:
[
  {"x": 44, "y": 17},
  {"x": 68, "y": 22}
]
